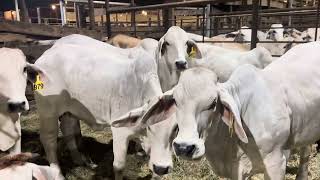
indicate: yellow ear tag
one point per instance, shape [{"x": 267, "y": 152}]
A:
[
  {"x": 38, "y": 85},
  {"x": 192, "y": 53}
]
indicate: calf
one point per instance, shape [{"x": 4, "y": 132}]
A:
[{"x": 13, "y": 79}]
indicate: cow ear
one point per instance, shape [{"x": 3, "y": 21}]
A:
[
  {"x": 157, "y": 110},
  {"x": 193, "y": 50},
  {"x": 160, "y": 49},
  {"x": 231, "y": 115},
  {"x": 129, "y": 119},
  {"x": 33, "y": 71}
]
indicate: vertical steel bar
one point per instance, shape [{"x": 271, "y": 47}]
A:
[
  {"x": 38, "y": 15},
  {"x": 317, "y": 23},
  {"x": 203, "y": 21},
  {"x": 17, "y": 10},
  {"x": 208, "y": 20},
  {"x": 91, "y": 14},
  {"x": 108, "y": 22},
  {"x": 255, "y": 23}
]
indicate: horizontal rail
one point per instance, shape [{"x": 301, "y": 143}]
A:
[{"x": 168, "y": 5}]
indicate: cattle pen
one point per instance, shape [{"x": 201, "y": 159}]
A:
[{"x": 35, "y": 27}]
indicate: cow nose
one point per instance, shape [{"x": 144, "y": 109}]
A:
[
  {"x": 160, "y": 170},
  {"x": 181, "y": 65},
  {"x": 14, "y": 107},
  {"x": 183, "y": 149}
]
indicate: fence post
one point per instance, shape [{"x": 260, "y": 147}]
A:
[
  {"x": 108, "y": 22},
  {"x": 203, "y": 21},
  {"x": 91, "y": 14},
  {"x": 208, "y": 20},
  {"x": 38, "y": 15},
  {"x": 317, "y": 24},
  {"x": 255, "y": 23}
]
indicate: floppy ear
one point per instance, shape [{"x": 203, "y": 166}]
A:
[
  {"x": 231, "y": 115},
  {"x": 129, "y": 119},
  {"x": 157, "y": 110},
  {"x": 33, "y": 71},
  {"x": 193, "y": 49},
  {"x": 160, "y": 50}
]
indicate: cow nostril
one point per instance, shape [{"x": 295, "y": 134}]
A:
[
  {"x": 16, "y": 107},
  {"x": 159, "y": 170},
  {"x": 181, "y": 64},
  {"x": 190, "y": 149}
]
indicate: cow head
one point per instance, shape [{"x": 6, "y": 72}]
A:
[
  {"x": 157, "y": 143},
  {"x": 276, "y": 33},
  {"x": 197, "y": 98},
  {"x": 175, "y": 48},
  {"x": 13, "y": 79}
]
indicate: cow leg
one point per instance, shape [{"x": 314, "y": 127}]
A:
[
  {"x": 120, "y": 147},
  {"x": 304, "y": 163},
  {"x": 275, "y": 165},
  {"x": 70, "y": 127},
  {"x": 48, "y": 137},
  {"x": 16, "y": 149}
]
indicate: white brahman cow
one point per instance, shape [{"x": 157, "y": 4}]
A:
[
  {"x": 173, "y": 57},
  {"x": 176, "y": 52},
  {"x": 13, "y": 81},
  {"x": 250, "y": 123},
  {"x": 89, "y": 80}
]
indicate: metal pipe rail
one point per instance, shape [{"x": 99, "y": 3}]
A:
[{"x": 169, "y": 5}]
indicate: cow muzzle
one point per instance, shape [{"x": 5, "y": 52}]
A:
[
  {"x": 181, "y": 65},
  {"x": 161, "y": 170},
  {"x": 17, "y": 107},
  {"x": 184, "y": 150}
]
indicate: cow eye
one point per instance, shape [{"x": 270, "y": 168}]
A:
[
  {"x": 189, "y": 46},
  {"x": 164, "y": 46},
  {"x": 25, "y": 70}
]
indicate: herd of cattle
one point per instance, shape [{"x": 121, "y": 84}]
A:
[{"x": 242, "y": 109}]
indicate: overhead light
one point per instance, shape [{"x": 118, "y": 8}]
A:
[
  {"x": 53, "y": 7},
  {"x": 144, "y": 13}
]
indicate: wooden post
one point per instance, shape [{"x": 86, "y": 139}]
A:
[
  {"x": 167, "y": 16},
  {"x": 24, "y": 11},
  {"x": 91, "y": 14},
  {"x": 17, "y": 10},
  {"x": 108, "y": 22},
  {"x": 181, "y": 23},
  {"x": 38, "y": 15},
  {"x": 255, "y": 23}
]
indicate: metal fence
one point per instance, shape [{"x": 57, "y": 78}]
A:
[{"x": 212, "y": 23}]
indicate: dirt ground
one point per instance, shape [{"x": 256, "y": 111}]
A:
[{"x": 98, "y": 146}]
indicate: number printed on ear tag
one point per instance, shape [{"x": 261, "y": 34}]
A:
[
  {"x": 38, "y": 85},
  {"x": 192, "y": 53}
]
